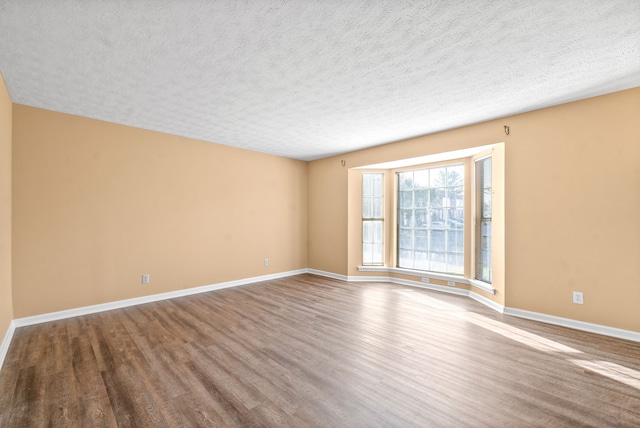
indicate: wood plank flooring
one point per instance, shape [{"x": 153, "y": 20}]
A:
[{"x": 308, "y": 351}]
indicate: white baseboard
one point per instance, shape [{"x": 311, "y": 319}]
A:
[
  {"x": 431, "y": 275},
  {"x": 576, "y": 325},
  {"x": 434, "y": 287},
  {"x": 4, "y": 346},
  {"x": 369, "y": 279},
  {"x": 534, "y": 316},
  {"x": 390, "y": 279},
  {"x": 328, "y": 274},
  {"x": 86, "y": 310},
  {"x": 487, "y": 302}
]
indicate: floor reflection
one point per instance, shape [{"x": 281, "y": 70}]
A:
[{"x": 608, "y": 369}]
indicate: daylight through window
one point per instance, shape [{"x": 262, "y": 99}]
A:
[
  {"x": 431, "y": 219},
  {"x": 372, "y": 219},
  {"x": 483, "y": 219}
]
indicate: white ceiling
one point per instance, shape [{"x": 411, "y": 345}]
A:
[{"x": 307, "y": 79}]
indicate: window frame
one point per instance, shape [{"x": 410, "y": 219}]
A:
[
  {"x": 373, "y": 220},
  {"x": 449, "y": 250},
  {"x": 483, "y": 245}
]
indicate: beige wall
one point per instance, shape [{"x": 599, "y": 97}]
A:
[
  {"x": 96, "y": 205},
  {"x": 6, "y": 300},
  {"x": 572, "y": 204},
  {"x": 328, "y": 215},
  {"x": 573, "y": 210}
]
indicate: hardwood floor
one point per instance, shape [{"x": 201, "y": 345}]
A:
[{"x": 311, "y": 351}]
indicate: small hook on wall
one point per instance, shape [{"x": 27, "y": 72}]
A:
[
  {"x": 506, "y": 129},
  {"x": 342, "y": 162}
]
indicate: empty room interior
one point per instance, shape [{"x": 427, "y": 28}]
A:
[{"x": 314, "y": 213}]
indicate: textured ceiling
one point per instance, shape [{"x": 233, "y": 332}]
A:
[{"x": 308, "y": 79}]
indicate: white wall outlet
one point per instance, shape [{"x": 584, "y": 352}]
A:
[
  {"x": 425, "y": 279},
  {"x": 451, "y": 283},
  {"x": 145, "y": 278},
  {"x": 266, "y": 262},
  {"x": 578, "y": 297}
]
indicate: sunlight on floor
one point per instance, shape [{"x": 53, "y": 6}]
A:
[
  {"x": 611, "y": 370},
  {"x": 429, "y": 301},
  {"x": 519, "y": 335},
  {"x": 374, "y": 308}
]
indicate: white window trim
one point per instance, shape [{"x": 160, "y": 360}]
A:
[{"x": 431, "y": 275}]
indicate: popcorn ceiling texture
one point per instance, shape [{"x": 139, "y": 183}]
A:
[{"x": 307, "y": 79}]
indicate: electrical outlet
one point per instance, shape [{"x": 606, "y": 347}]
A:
[
  {"x": 266, "y": 262},
  {"x": 578, "y": 297},
  {"x": 425, "y": 279},
  {"x": 451, "y": 283},
  {"x": 145, "y": 278}
]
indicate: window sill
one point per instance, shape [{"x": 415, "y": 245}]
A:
[
  {"x": 431, "y": 275},
  {"x": 481, "y": 285}
]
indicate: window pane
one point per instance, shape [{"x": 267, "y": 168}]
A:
[
  {"x": 455, "y": 218},
  {"x": 431, "y": 219},
  {"x": 420, "y": 198},
  {"x": 421, "y": 179},
  {"x": 486, "y": 203},
  {"x": 377, "y": 256},
  {"x": 367, "y": 184},
  {"x": 437, "y": 262},
  {"x": 372, "y": 208},
  {"x": 405, "y": 180},
  {"x": 376, "y": 208},
  {"x": 406, "y": 238},
  {"x": 376, "y": 184},
  {"x": 486, "y": 173},
  {"x": 436, "y": 219},
  {"x": 366, "y": 207},
  {"x": 377, "y": 227},
  {"x": 437, "y": 197},
  {"x": 366, "y": 231},
  {"x": 437, "y": 240},
  {"x": 455, "y": 240},
  {"x": 367, "y": 254},
  {"x": 485, "y": 237},
  {"x": 455, "y": 176},
  {"x": 421, "y": 242},
  {"x": 405, "y": 259},
  {"x": 420, "y": 218},
  {"x": 405, "y": 199},
  {"x": 437, "y": 177},
  {"x": 455, "y": 197},
  {"x": 405, "y": 218},
  {"x": 483, "y": 221},
  {"x": 455, "y": 262},
  {"x": 421, "y": 260}
]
